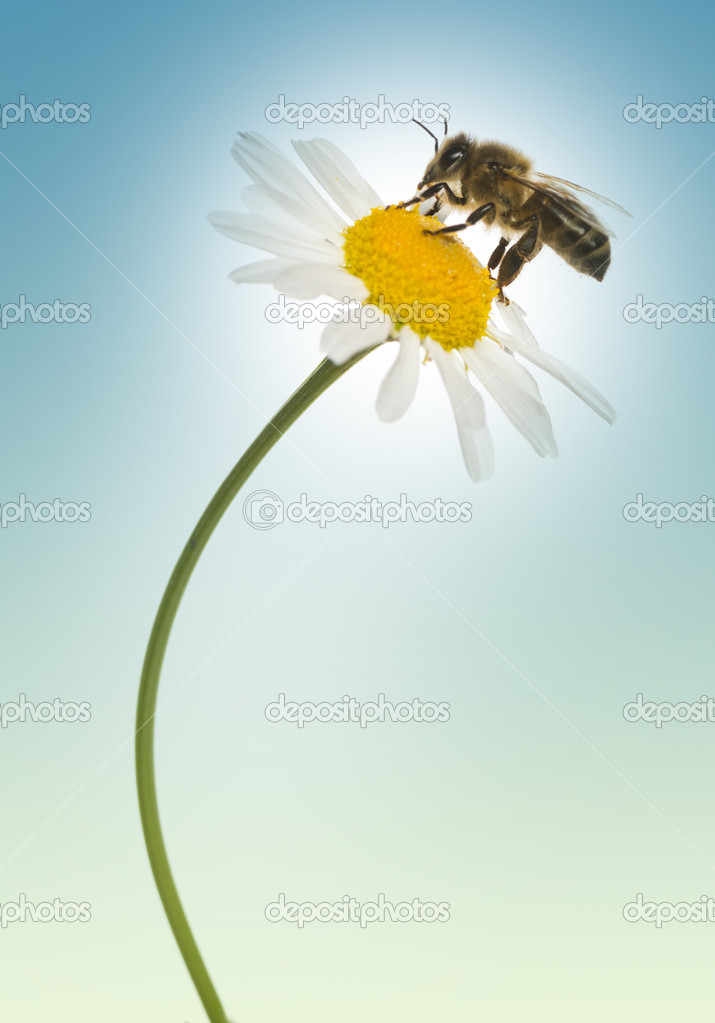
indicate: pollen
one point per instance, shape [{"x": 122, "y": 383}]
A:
[{"x": 433, "y": 282}]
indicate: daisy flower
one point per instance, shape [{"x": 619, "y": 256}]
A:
[{"x": 385, "y": 258}]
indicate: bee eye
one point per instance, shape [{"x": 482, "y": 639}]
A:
[
  {"x": 452, "y": 155},
  {"x": 493, "y": 166}
]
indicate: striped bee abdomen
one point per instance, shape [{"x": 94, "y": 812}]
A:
[{"x": 579, "y": 243}]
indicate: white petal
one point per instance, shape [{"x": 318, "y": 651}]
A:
[
  {"x": 514, "y": 319},
  {"x": 267, "y": 165},
  {"x": 264, "y": 271},
  {"x": 515, "y": 390},
  {"x": 338, "y": 177},
  {"x": 345, "y": 169},
  {"x": 400, "y": 385},
  {"x": 269, "y": 202},
  {"x": 497, "y": 334},
  {"x": 468, "y": 407},
  {"x": 308, "y": 280},
  {"x": 274, "y": 237},
  {"x": 340, "y": 341},
  {"x": 569, "y": 377}
]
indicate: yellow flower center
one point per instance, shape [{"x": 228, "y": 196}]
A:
[{"x": 433, "y": 282}]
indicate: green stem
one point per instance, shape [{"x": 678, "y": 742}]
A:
[{"x": 325, "y": 375}]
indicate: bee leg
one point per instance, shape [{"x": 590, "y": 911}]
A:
[
  {"x": 438, "y": 204},
  {"x": 427, "y": 194},
  {"x": 496, "y": 256},
  {"x": 522, "y": 251},
  {"x": 452, "y": 199},
  {"x": 471, "y": 219},
  {"x": 455, "y": 200}
]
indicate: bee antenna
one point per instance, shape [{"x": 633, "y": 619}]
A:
[
  {"x": 425, "y": 128},
  {"x": 445, "y": 127}
]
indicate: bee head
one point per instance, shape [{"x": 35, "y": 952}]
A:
[{"x": 448, "y": 161}]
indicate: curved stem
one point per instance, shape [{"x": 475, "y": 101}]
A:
[{"x": 325, "y": 374}]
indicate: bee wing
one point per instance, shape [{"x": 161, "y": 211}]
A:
[
  {"x": 550, "y": 179},
  {"x": 555, "y": 189},
  {"x": 547, "y": 179}
]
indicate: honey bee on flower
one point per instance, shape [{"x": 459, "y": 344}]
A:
[{"x": 387, "y": 258}]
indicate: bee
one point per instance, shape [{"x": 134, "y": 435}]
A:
[{"x": 498, "y": 185}]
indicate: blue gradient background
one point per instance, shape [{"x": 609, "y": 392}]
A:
[{"x": 537, "y": 811}]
